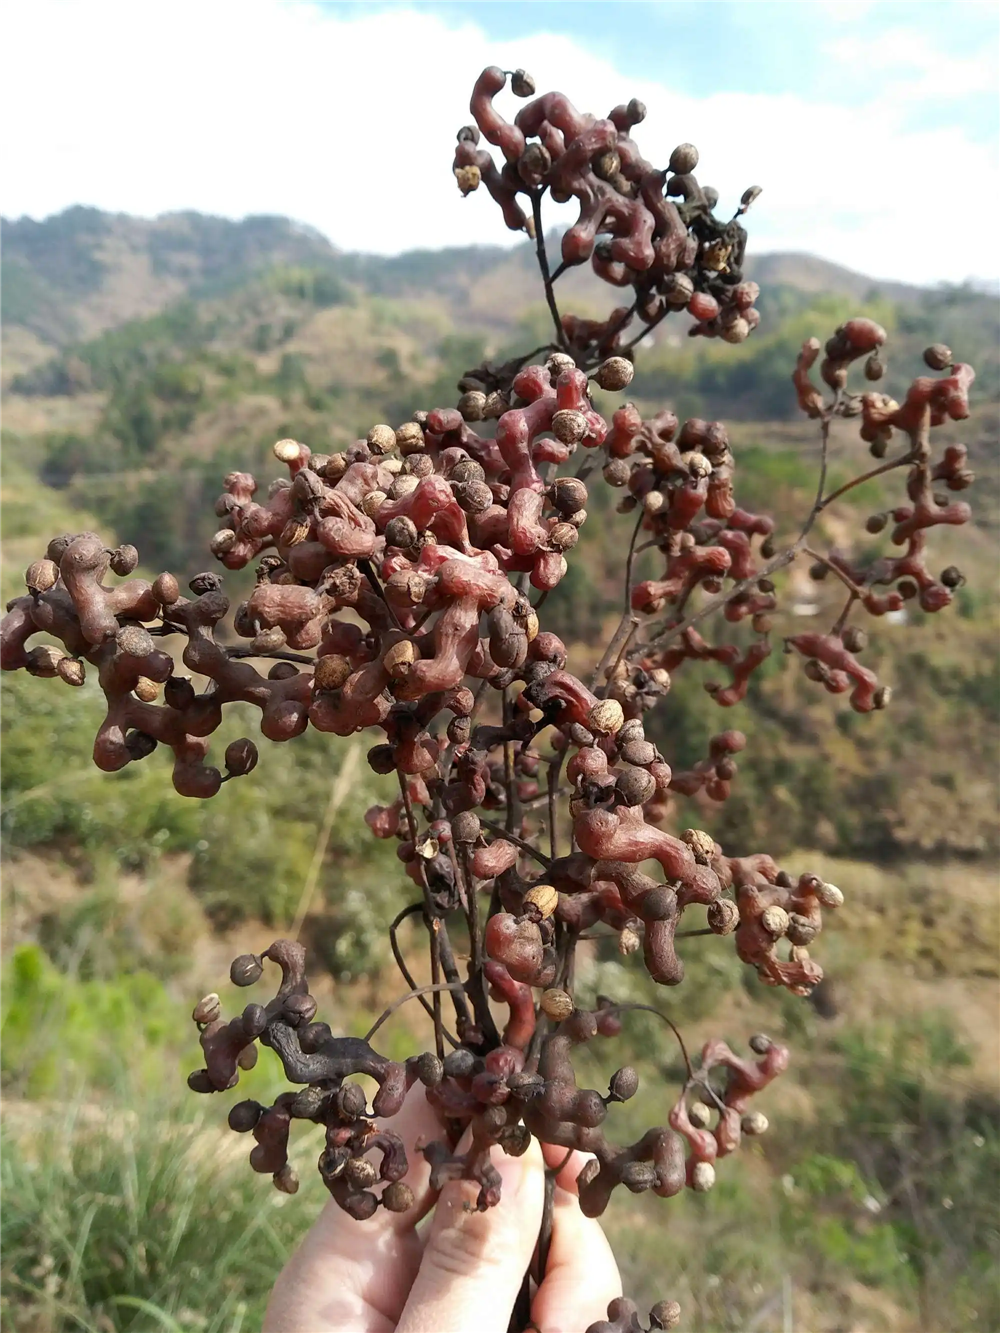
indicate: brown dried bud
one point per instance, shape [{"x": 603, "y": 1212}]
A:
[
  {"x": 614, "y": 374},
  {"x": 522, "y": 84},
  {"x": 558, "y": 1004},
  {"x": 134, "y": 641},
  {"x": 882, "y": 696},
  {"x": 801, "y": 930},
  {"x": 616, "y": 471},
  {"x": 41, "y": 576},
  {"x": 495, "y": 406},
  {"x": 124, "y": 560},
  {"x": 529, "y": 623},
  {"x": 468, "y": 178},
  {"x": 287, "y": 451},
  {"x": 683, "y": 159},
  {"x": 830, "y": 896},
  {"x": 774, "y": 920},
  {"x": 569, "y": 495},
  {"x": 241, "y": 757},
  {"x": 71, "y": 670},
  {"x": 244, "y": 1116},
  {"x": 938, "y": 356},
  {"x": 246, "y": 970},
  {"x": 723, "y": 916},
  {"x": 874, "y": 367},
  {"x": 624, "y": 1084},
  {"x": 754, "y": 1123},
  {"x": 474, "y": 497},
  {"x": 703, "y": 1177},
  {"x": 664, "y": 1315},
  {"x": 360, "y": 1173},
  {"x": 636, "y": 786},
  {"x": 606, "y": 717},
  {"x": 372, "y": 502},
  {"x": 402, "y": 531},
  {"x": 166, "y": 589},
  {"x": 397, "y": 1197},
  {"x": 855, "y": 640},
  {"x": 146, "y": 689},
  {"x": 381, "y": 439},
  {"x": 269, "y": 640},
  {"x": 398, "y": 659},
  {"x": 299, "y": 1010},
  {"x": 760, "y": 1043},
  {"x": 296, "y": 530},
  {"x": 286, "y": 1179},
  {"x": 472, "y": 405},
  {"x": 543, "y": 898},
  {"x": 223, "y": 542},
  {"x": 952, "y": 577},
  {"x": 702, "y": 845},
  {"x": 700, "y": 1115},
  {"x": 465, "y": 827},
  {"x": 409, "y": 438},
  {"x": 331, "y": 671},
  {"x": 208, "y": 1009},
  {"x": 563, "y": 536},
  {"x": 569, "y": 427},
  {"x": 628, "y": 941}
]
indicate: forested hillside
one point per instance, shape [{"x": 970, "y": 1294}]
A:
[{"x": 145, "y": 359}]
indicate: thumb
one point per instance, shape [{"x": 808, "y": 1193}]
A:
[{"x": 474, "y": 1263}]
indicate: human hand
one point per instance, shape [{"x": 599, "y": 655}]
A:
[{"x": 464, "y": 1269}]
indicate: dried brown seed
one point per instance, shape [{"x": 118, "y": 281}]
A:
[
  {"x": 287, "y": 451},
  {"x": 563, "y": 536},
  {"x": 624, "y": 1084},
  {"x": 683, "y": 159},
  {"x": 558, "y": 1004},
  {"x": 636, "y": 786},
  {"x": 41, "y": 576},
  {"x": 569, "y": 426},
  {"x": 614, "y": 374},
  {"x": 774, "y": 920},
  {"x": 664, "y": 1315},
  {"x": 606, "y": 717},
  {"x": 703, "y": 1177},
  {"x": 723, "y": 916},
  {"x": 269, "y": 640},
  {"x": 544, "y": 898},
  {"x": 702, "y": 844},
  {"x": 700, "y": 1115},
  {"x": 398, "y": 659},
  {"x": 522, "y": 84},
  {"x": 134, "y": 641},
  {"x": 830, "y": 896},
  {"x": 246, "y": 970},
  {"x": 402, "y": 531},
  {"x": 241, "y": 757},
  {"x": 465, "y": 827},
  {"x": 71, "y": 670},
  {"x": 381, "y": 439},
  {"x": 938, "y": 356},
  {"x": 474, "y": 497},
  {"x": 616, "y": 471},
  {"x": 754, "y": 1123},
  {"x": 295, "y": 531},
  {"x": 332, "y": 670},
  {"x": 286, "y": 1179},
  {"x": 146, "y": 689},
  {"x": 409, "y": 438},
  {"x": 208, "y": 1009},
  {"x": 360, "y": 1173},
  {"x": 397, "y": 1197},
  {"x": 472, "y": 405},
  {"x": 468, "y": 178}
]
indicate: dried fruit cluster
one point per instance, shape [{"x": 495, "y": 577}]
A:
[
  {"x": 393, "y": 591},
  {"x": 675, "y": 256}
]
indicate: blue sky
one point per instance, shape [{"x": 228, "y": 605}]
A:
[{"x": 861, "y": 121}]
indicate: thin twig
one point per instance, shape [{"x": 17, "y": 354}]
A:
[
  {"x": 649, "y": 1009},
  {"x": 401, "y": 961},
  {"x": 543, "y": 266},
  {"x": 278, "y": 655},
  {"x": 435, "y": 988},
  {"x": 518, "y": 842}
]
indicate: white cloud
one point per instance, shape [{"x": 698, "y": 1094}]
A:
[{"x": 346, "y": 121}]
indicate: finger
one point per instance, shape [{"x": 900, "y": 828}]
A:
[
  {"x": 473, "y": 1262},
  {"x": 581, "y": 1275},
  {"x": 351, "y": 1276}
]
